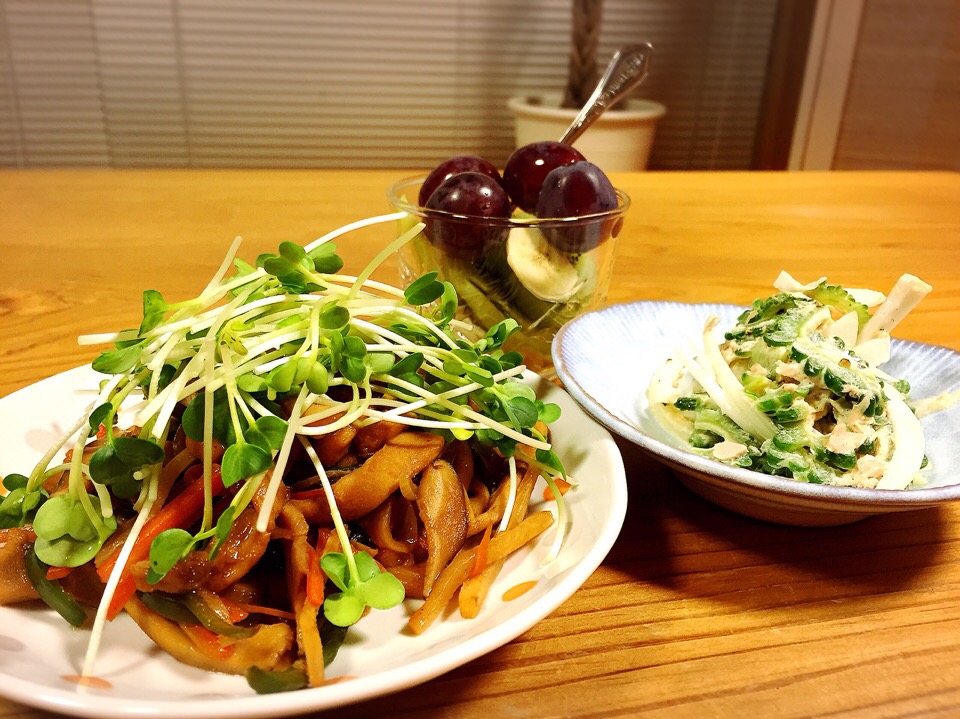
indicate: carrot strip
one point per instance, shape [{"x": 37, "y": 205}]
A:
[
  {"x": 315, "y": 578},
  {"x": 458, "y": 570},
  {"x": 58, "y": 572},
  {"x": 562, "y": 486},
  {"x": 483, "y": 548},
  {"x": 267, "y": 611},
  {"x": 182, "y": 511},
  {"x": 206, "y": 641}
]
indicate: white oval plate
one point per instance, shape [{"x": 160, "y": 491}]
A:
[
  {"x": 606, "y": 359},
  {"x": 37, "y": 648}
]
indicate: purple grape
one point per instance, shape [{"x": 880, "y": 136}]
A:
[
  {"x": 528, "y": 166},
  {"x": 451, "y": 167},
  {"x": 577, "y": 190},
  {"x": 478, "y": 197}
]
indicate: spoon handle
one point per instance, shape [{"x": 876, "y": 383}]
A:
[{"x": 627, "y": 69}]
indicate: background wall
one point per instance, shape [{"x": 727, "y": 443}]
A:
[
  {"x": 344, "y": 83},
  {"x": 903, "y": 103}
]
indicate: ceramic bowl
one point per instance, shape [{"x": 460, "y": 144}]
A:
[{"x": 606, "y": 359}]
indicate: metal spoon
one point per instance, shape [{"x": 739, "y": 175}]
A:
[{"x": 627, "y": 69}]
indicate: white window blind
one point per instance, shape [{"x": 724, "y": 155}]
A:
[{"x": 342, "y": 83}]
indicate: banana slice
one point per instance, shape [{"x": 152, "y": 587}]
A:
[{"x": 545, "y": 271}]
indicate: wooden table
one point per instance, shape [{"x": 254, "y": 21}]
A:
[{"x": 696, "y": 612}]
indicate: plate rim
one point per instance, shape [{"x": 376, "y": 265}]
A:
[
  {"x": 854, "y": 497},
  {"x": 84, "y": 702}
]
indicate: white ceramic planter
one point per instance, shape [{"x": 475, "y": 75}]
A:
[{"x": 619, "y": 140}]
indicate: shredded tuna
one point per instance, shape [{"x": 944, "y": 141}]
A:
[
  {"x": 727, "y": 450},
  {"x": 842, "y": 441},
  {"x": 793, "y": 370}
]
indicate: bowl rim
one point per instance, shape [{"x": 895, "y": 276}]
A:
[
  {"x": 850, "y": 496},
  {"x": 396, "y": 195}
]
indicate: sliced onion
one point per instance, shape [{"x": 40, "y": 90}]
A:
[{"x": 908, "y": 447}]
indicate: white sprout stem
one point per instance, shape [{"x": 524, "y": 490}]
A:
[
  {"x": 171, "y": 395},
  {"x": 208, "y": 408},
  {"x": 40, "y": 469},
  {"x": 224, "y": 265},
  {"x": 102, "y": 338},
  {"x": 407, "y": 312},
  {"x": 359, "y": 224},
  {"x": 349, "y": 280},
  {"x": 103, "y": 494},
  {"x": 358, "y": 408},
  {"x": 391, "y": 248},
  {"x": 254, "y": 403},
  {"x": 334, "y": 509},
  {"x": 260, "y": 363},
  {"x": 111, "y": 588},
  {"x": 156, "y": 364},
  {"x": 425, "y": 423},
  {"x": 174, "y": 325},
  {"x": 162, "y": 405},
  {"x": 263, "y": 518},
  {"x": 562, "y": 514},
  {"x": 201, "y": 320},
  {"x": 511, "y": 496},
  {"x": 451, "y": 393},
  {"x": 471, "y": 414},
  {"x": 431, "y": 354}
]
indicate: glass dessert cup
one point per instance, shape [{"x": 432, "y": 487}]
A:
[{"x": 540, "y": 272}]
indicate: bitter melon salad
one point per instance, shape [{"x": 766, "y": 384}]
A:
[{"x": 794, "y": 389}]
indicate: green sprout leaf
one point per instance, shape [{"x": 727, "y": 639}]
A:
[
  {"x": 222, "y": 529},
  {"x": 279, "y": 266},
  {"x": 274, "y": 429},
  {"x": 407, "y": 366},
  {"x": 119, "y": 361},
  {"x": 448, "y": 304},
  {"x": 325, "y": 259},
  {"x": 281, "y": 378},
  {"x": 318, "y": 381},
  {"x": 107, "y": 468},
  {"x": 242, "y": 460},
  {"x": 379, "y": 362},
  {"x": 424, "y": 290},
  {"x": 15, "y": 481},
  {"x": 19, "y": 507},
  {"x": 251, "y": 383},
  {"x": 548, "y": 412},
  {"x": 137, "y": 453},
  {"x": 154, "y": 310},
  {"x": 522, "y": 412},
  {"x": 549, "y": 458},
  {"x": 114, "y": 463},
  {"x": 334, "y": 317},
  {"x": 100, "y": 415},
  {"x": 292, "y": 252},
  {"x": 193, "y": 417},
  {"x": 168, "y": 548},
  {"x": 369, "y": 587},
  {"x": 66, "y": 534}
]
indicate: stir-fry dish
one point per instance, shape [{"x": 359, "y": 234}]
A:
[
  {"x": 298, "y": 447},
  {"x": 794, "y": 389}
]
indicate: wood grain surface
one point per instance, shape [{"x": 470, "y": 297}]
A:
[{"x": 696, "y": 612}]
